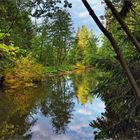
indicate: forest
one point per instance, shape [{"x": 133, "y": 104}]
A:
[{"x": 38, "y": 41}]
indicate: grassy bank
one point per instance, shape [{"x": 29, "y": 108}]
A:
[{"x": 28, "y": 74}]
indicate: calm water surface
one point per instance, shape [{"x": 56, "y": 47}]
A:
[{"x": 59, "y": 109}]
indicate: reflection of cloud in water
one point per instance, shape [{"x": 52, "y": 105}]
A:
[
  {"x": 84, "y": 112},
  {"x": 43, "y": 131},
  {"x": 78, "y": 128},
  {"x": 97, "y": 106}
]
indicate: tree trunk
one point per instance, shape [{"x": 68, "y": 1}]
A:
[
  {"x": 116, "y": 49},
  {"x": 123, "y": 25}
]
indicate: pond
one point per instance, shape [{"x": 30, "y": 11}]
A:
[{"x": 61, "y": 108}]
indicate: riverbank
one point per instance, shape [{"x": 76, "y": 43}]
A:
[
  {"x": 31, "y": 78},
  {"x": 75, "y": 70}
]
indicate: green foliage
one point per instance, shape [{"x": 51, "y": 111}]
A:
[
  {"x": 52, "y": 70},
  {"x": 8, "y": 54},
  {"x": 2, "y": 35},
  {"x": 8, "y": 130},
  {"x": 25, "y": 72},
  {"x": 28, "y": 68},
  {"x": 42, "y": 49},
  {"x": 120, "y": 120},
  {"x": 17, "y": 67},
  {"x": 17, "y": 23},
  {"x": 66, "y": 68},
  {"x": 54, "y": 39},
  {"x": 49, "y": 47},
  {"x": 84, "y": 48},
  {"x": 44, "y": 8},
  {"x": 61, "y": 33},
  {"x": 53, "y": 46}
]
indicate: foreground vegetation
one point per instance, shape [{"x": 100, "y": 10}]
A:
[{"x": 121, "y": 118}]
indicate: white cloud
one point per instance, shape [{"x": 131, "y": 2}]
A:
[
  {"x": 80, "y": 15},
  {"x": 100, "y": 106},
  {"x": 77, "y": 127},
  {"x": 83, "y": 14},
  {"x": 84, "y": 112}
]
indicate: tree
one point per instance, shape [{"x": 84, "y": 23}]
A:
[
  {"x": 43, "y": 49},
  {"x": 124, "y": 11},
  {"x": 54, "y": 39},
  {"x": 39, "y": 8},
  {"x": 17, "y": 23},
  {"x": 84, "y": 47},
  {"x": 61, "y": 33}
]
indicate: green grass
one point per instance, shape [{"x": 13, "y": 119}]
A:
[
  {"x": 61, "y": 68},
  {"x": 51, "y": 70}
]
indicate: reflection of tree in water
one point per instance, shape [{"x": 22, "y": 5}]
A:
[
  {"x": 58, "y": 104},
  {"x": 14, "y": 109},
  {"x": 84, "y": 83},
  {"x": 54, "y": 98},
  {"x": 121, "y": 119}
]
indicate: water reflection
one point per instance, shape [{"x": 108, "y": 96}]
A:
[
  {"x": 61, "y": 108},
  {"x": 83, "y": 84}
]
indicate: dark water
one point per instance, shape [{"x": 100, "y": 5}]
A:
[{"x": 59, "y": 109}]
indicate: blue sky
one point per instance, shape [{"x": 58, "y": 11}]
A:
[{"x": 80, "y": 15}]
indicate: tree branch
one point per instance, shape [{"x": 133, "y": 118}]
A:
[{"x": 123, "y": 25}]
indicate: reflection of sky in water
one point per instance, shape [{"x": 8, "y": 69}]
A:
[{"x": 78, "y": 128}]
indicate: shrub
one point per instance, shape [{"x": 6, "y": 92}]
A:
[{"x": 25, "y": 72}]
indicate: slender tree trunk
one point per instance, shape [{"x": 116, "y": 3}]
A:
[
  {"x": 123, "y": 25},
  {"x": 116, "y": 49}
]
